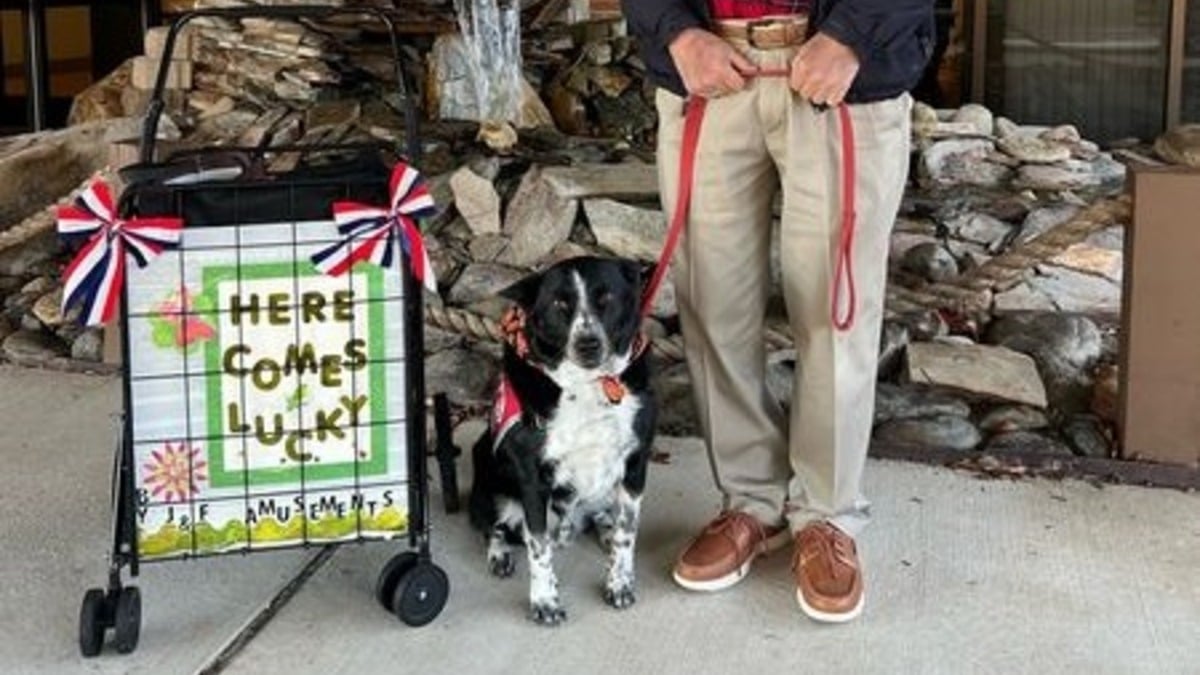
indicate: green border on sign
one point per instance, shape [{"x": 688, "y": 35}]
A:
[{"x": 376, "y": 384}]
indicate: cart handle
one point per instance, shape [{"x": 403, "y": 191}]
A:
[{"x": 157, "y": 104}]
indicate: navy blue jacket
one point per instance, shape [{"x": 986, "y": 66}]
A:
[{"x": 892, "y": 38}]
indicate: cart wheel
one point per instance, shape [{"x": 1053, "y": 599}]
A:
[
  {"x": 421, "y": 594},
  {"x": 392, "y": 572},
  {"x": 91, "y": 622},
  {"x": 128, "y": 619}
]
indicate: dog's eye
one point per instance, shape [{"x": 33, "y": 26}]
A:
[
  {"x": 562, "y": 305},
  {"x": 603, "y": 299}
]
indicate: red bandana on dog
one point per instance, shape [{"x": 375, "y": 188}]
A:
[{"x": 506, "y": 411}]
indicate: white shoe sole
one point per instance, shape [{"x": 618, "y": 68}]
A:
[
  {"x": 826, "y": 617},
  {"x": 721, "y": 583}
]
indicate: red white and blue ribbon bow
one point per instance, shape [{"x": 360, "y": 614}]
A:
[
  {"x": 372, "y": 233},
  {"x": 95, "y": 277}
]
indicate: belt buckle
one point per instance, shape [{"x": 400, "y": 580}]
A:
[{"x": 750, "y": 30}]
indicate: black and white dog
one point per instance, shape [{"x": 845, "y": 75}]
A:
[{"x": 571, "y": 428}]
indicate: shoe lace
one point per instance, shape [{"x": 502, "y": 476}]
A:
[
  {"x": 825, "y": 543},
  {"x": 725, "y": 524}
]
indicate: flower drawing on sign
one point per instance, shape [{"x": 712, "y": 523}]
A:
[
  {"x": 176, "y": 322},
  {"x": 172, "y": 473}
]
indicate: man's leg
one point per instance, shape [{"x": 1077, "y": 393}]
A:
[
  {"x": 834, "y": 397},
  {"x": 721, "y": 275}
]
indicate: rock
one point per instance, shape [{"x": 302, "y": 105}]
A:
[
  {"x": 482, "y": 281},
  {"x": 476, "y": 200},
  {"x": 626, "y": 231},
  {"x": 464, "y": 375},
  {"x": 102, "y": 100},
  {"x": 982, "y": 229},
  {"x": 533, "y": 111},
  {"x": 1005, "y": 127},
  {"x": 1013, "y": 418},
  {"x": 924, "y": 119},
  {"x": 30, "y": 256},
  {"x": 36, "y": 170},
  {"x": 537, "y": 220},
  {"x": 1109, "y": 239},
  {"x": 980, "y": 370},
  {"x": 1072, "y": 174},
  {"x": 892, "y": 340},
  {"x": 665, "y": 304},
  {"x": 499, "y": 136},
  {"x": 88, "y": 346},
  {"x": 923, "y": 326},
  {"x": 902, "y": 242},
  {"x": 1180, "y": 145},
  {"x": 48, "y": 309},
  {"x": 894, "y": 402},
  {"x": 1077, "y": 292},
  {"x": 1087, "y": 437},
  {"x": 952, "y": 433},
  {"x": 32, "y": 348},
  {"x": 30, "y": 323},
  {"x": 1041, "y": 220},
  {"x": 1063, "y": 345},
  {"x": 930, "y": 261},
  {"x": 1022, "y": 298},
  {"x": 437, "y": 340},
  {"x": 38, "y": 286},
  {"x": 1092, "y": 260},
  {"x": 978, "y": 117},
  {"x": 6, "y": 328},
  {"x": 1105, "y": 393},
  {"x": 1065, "y": 133},
  {"x": 1034, "y": 150},
  {"x": 781, "y": 376},
  {"x": 677, "y": 405},
  {"x": 1025, "y": 442},
  {"x": 487, "y": 247},
  {"x": 961, "y": 161},
  {"x": 630, "y": 180},
  {"x": 326, "y": 115}
]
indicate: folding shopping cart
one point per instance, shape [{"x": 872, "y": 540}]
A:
[{"x": 272, "y": 353}]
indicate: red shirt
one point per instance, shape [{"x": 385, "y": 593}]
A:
[{"x": 753, "y": 9}]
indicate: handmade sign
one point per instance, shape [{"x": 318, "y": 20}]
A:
[{"x": 268, "y": 398}]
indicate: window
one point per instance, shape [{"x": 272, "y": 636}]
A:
[{"x": 1099, "y": 65}]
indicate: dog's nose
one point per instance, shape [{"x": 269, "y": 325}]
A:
[{"x": 588, "y": 347}]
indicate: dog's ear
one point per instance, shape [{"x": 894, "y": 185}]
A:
[
  {"x": 635, "y": 272},
  {"x": 525, "y": 291}
]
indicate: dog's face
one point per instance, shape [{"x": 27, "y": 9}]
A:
[{"x": 582, "y": 311}]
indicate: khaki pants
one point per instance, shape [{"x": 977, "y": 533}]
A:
[{"x": 805, "y": 464}]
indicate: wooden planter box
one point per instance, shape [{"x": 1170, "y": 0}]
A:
[{"x": 1160, "y": 375}]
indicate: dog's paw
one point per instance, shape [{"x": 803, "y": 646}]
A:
[
  {"x": 621, "y": 597},
  {"x": 547, "y": 614},
  {"x": 503, "y": 565}
]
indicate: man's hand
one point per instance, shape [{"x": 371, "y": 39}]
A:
[
  {"x": 709, "y": 66},
  {"x": 823, "y": 70}
]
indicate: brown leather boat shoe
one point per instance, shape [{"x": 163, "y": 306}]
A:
[
  {"x": 720, "y": 556},
  {"x": 829, "y": 580}
]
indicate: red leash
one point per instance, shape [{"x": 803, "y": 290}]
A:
[{"x": 844, "y": 267}]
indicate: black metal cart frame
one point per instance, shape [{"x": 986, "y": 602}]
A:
[{"x": 410, "y": 585}]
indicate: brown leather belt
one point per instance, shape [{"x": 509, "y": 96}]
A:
[{"x": 767, "y": 33}]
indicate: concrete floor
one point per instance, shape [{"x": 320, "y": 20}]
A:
[{"x": 964, "y": 576}]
